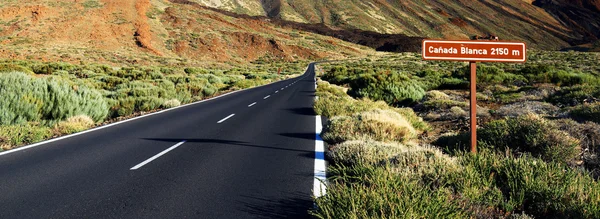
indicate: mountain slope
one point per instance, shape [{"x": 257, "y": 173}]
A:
[
  {"x": 152, "y": 31},
  {"x": 458, "y": 19}
]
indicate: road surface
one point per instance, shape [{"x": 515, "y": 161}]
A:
[{"x": 250, "y": 154}]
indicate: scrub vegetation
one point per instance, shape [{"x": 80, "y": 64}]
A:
[
  {"x": 41, "y": 100},
  {"x": 538, "y": 141}
]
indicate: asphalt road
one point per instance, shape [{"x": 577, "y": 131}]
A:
[{"x": 258, "y": 163}]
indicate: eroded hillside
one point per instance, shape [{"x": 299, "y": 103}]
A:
[
  {"x": 554, "y": 25},
  {"x": 152, "y": 31}
]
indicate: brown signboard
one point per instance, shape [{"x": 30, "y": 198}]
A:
[{"x": 475, "y": 51}]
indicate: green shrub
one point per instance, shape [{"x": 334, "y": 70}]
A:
[
  {"x": 334, "y": 102},
  {"x": 378, "y": 125},
  {"x": 572, "y": 96},
  {"x": 543, "y": 190},
  {"x": 530, "y": 134},
  {"x": 47, "y": 100},
  {"x": 16, "y": 135},
  {"x": 145, "y": 104},
  {"x": 7, "y": 68},
  {"x": 124, "y": 107},
  {"x": 395, "y": 89},
  {"x": 547, "y": 74},
  {"x": 397, "y": 190},
  {"x": 588, "y": 112}
]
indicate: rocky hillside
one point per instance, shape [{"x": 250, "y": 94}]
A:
[
  {"x": 545, "y": 24},
  {"x": 153, "y": 31}
]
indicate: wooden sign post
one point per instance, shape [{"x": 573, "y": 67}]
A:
[{"x": 473, "y": 52}]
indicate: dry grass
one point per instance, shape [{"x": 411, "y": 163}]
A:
[
  {"x": 74, "y": 124},
  {"x": 379, "y": 125}
]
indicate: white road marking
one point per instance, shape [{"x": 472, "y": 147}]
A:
[
  {"x": 282, "y": 88},
  {"x": 223, "y": 120},
  {"x": 266, "y": 97},
  {"x": 156, "y": 156},
  {"x": 252, "y": 104},
  {"x": 276, "y": 91},
  {"x": 319, "y": 184}
]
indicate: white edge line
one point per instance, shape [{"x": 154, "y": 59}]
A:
[
  {"x": 252, "y": 104},
  {"x": 320, "y": 181},
  {"x": 124, "y": 121},
  {"x": 156, "y": 156},
  {"x": 226, "y": 118}
]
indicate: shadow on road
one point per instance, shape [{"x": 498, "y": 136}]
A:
[
  {"x": 310, "y": 136},
  {"x": 307, "y": 111},
  {"x": 224, "y": 142},
  {"x": 296, "y": 207}
]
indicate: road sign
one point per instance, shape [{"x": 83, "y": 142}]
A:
[
  {"x": 473, "y": 52},
  {"x": 478, "y": 51}
]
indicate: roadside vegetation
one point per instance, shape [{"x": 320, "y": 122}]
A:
[
  {"x": 43, "y": 100},
  {"x": 398, "y": 138}
]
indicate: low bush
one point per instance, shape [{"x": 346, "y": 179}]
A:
[
  {"x": 526, "y": 184},
  {"x": 393, "y": 88},
  {"x": 588, "y": 134},
  {"x": 358, "y": 152},
  {"x": 530, "y": 134},
  {"x": 424, "y": 183},
  {"x": 572, "y": 96},
  {"x": 378, "y": 125},
  {"x": 588, "y": 112},
  {"x": 47, "y": 100},
  {"x": 333, "y": 101},
  {"x": 16, "y": 135},
  {"x": 171, "y": 103},
  {"x": 74, "y": 124}
]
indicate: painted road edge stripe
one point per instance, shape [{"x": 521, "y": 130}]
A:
[
  {"x": 226, "y": 118},
  {"x": 319, "y": 185},
  {"x": 252, "y": 104},
  {"x": 320, "y": 181},
  {"x": 156, "y": 156},
  {"x": 124, "y": 121}
]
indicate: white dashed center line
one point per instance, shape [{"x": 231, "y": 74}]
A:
[
  {"x": 156, "y": 156},
  {"x": 252, "y": 104},
  {"x": 223, "y": 120}
]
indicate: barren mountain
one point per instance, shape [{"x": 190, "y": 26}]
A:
[
  {"x": 545, "y": 24},
  {"x": 152, "y": 31}
]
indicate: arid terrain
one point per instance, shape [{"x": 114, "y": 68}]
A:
[
  {"x": 157, "y": 31},
  {"x": 542, "y": 23}
]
